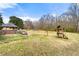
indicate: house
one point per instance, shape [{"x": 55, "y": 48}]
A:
[{"x": 8, "y": 28}]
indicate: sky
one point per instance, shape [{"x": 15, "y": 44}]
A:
[{"x": 32, "y": 11}]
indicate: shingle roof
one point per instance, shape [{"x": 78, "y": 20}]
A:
[{"x": 8, "y": 25}]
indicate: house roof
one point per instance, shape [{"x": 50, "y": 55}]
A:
[{"x": 8, "y": 25}]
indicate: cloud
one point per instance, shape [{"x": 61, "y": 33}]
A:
[
  {"x": 29, "y": 18},
  {"x": 54, "y": 15},
  {"x": 6, "y": 18},
  {"x": 4, "y": 6},
  {"x": 7, "y": 5}
]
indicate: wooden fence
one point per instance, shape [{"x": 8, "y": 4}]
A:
[{"x": 7, "y": 32}]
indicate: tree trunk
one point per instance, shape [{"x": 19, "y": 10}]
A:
[
  {"x": 78, "y": 27},
  {"x": 47, "y": 33}
]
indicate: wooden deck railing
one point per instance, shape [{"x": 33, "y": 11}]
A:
[{"x": 7, "y": 31}]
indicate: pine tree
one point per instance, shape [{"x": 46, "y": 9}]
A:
[{"x": 1, "y": 21}]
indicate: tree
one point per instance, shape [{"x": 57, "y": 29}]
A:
[
  {"x": 1, "y": 21},
  {"x": 74, "y": 11},
  {"x": 46, "y": 22},
  {"x": 70, "y": 18},
  {"x": 28, "y": 24},
  {"x": 66, "y": 21},
  {"x": 17, "y": 21}
]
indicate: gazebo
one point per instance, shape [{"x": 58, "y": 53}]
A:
[{"x": 8, "y": 28}]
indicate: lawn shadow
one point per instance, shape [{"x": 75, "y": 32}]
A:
[
  {"x": 2, "y": 37},
  {"x": 61, "y": 37}
]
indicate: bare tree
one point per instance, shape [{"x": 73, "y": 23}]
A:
[
  {"x": 28, "y": 24},
  {"x": 74, "y": 11}
]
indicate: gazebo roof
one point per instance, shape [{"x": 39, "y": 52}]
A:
[{"x": 9, "y": 25}]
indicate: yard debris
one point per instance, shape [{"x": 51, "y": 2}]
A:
[
  {"x": 22, "y": 32},
  {"x": 60, "y": 32}
]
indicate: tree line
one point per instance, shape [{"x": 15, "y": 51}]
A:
[{"x": 69, "y": 20}]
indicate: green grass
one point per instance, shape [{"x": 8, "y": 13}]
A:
[
  {"x": 12, "y": 37},
  {"x": 38, "y": 44}
]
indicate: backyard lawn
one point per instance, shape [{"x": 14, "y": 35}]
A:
[{"x": 37, "y": 43}]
